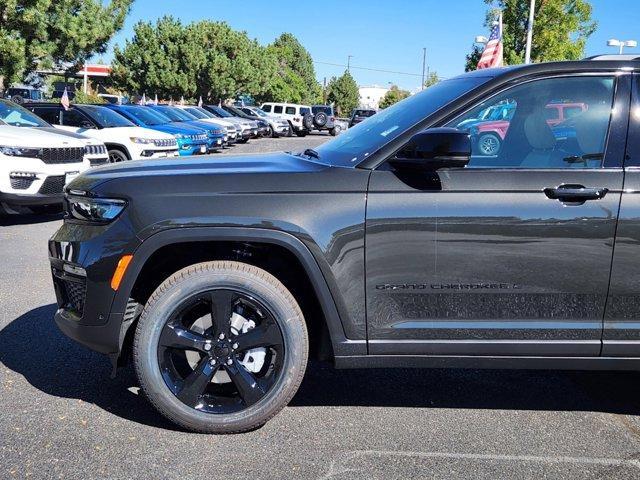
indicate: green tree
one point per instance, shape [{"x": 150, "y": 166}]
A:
[
  {"x": 343, "y": 93},
  {"x": 473, "y": 58},
  {"x": 560, "y": 29},
  {"x": 431, "y": 79},
  {"x": 295, "y": 79},
  {"x": 394, "y": 95},
  {"x": 54, "y": 33}
]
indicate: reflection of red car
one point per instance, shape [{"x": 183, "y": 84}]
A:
[{"x": 488, "y": 136}]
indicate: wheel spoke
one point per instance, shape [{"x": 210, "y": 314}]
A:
[
  {"x": 249, "y": 387},
  {"x": 175, "y": 336},
  {"x": 221, "y": 303},
  {"x": 265, "y": 335},
  {"x": 196, "y": 382}
]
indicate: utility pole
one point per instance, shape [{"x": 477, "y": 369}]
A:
[
  {"x": 349, "y": 62},
  {"x": 527, "y": 54},
  {"x": 324, "y": 91},
  {"x": 424, "y": 64}
]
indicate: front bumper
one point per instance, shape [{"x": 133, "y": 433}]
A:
[
  {"x": 30, "y": 200},
  {"x": 192, "y": 148}
]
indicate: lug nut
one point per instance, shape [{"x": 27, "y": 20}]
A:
[
  {"x": 213, "y": 362},
  {"x": 221, "y": 337},
  {"x": 234, "y": 346},
  {"x": 207, "y": 346},
  {"x": 229, "y": 362}
]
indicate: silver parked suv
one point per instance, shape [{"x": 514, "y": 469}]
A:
[{"x": 324, "y": 118}]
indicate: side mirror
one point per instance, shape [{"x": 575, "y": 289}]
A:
[{"x": 433, "y": 149}]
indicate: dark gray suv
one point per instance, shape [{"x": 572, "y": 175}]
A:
[{"x": 396, "y": 244}]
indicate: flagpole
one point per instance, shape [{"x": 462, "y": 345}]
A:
[{"x": 527, "y": 55}]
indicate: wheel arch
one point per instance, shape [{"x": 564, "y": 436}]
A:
[
  {"x": 339, "y": 344},
  {"x": 119, "y": 147}
]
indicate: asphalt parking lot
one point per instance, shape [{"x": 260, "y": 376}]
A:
[{"x": 63, "y": 417}]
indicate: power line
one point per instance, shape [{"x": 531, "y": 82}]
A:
[{"x": 369, "y": 69}]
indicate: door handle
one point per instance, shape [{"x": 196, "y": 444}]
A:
[{"x": 575, "y": 193}]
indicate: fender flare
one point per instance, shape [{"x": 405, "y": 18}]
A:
[{"x": 341, "y": 345}]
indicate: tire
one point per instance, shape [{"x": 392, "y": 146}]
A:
[
  {"x": 192, "y": 287},
  {"x": 320, "y": 119},
  {"x": 307, "y": 121},
  {"x": 272, "y": 133},
  {"x": 335, "y": 130},
  {"x": 117, "y": 156},
  {"x": 290, "y": 131},
  {"x": 17, "y": 99},
  {"x": 489, "y": 144}
]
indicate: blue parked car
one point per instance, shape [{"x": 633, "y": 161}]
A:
[
  {"x": 217, "y": 133},
  {"x": 191, "y": 140}
]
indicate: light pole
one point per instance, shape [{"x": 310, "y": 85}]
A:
[
  {"x": 424, "y": 62},
  {"x": 349, "y": 57},
  {"x": 621, "y": 44},
  {"x": 527, "y": 51}
]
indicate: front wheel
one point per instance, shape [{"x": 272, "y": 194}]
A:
[
  {"x": 335, "y": 130},
  {"x": 221, "y": 347},
  {"x": 117, "y": 156}
]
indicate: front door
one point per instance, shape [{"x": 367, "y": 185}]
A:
[{"x": 512, "y": 254}]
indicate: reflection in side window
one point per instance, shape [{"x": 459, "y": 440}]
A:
[
  {"x": 290, "y": 111},
  {"x": 552, "y": 123}
]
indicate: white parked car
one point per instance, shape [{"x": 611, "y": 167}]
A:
[
  {"x": 278, "y": 125},
  {"x": 233, "y": 129},
  {"x": 36, "y": 162},
  {"x": 293, "y": 113},
  {"x": 124, "y": 140}
]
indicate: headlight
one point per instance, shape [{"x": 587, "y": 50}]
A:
[
  {"x": 144, "y": 141},
  {"x": 20, "y": 151},
  {"x": 99, "y": 210}
]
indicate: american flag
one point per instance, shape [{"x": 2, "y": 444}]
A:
[
  {"x": 64, "y": 99},
  {"x": 492, "y": 54}
]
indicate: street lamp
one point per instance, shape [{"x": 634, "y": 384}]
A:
[{"x": 621, "y": 44}]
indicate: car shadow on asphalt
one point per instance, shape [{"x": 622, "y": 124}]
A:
[
  {"x": 32, "y": 346},
  {"x": 28, "y": 219}
]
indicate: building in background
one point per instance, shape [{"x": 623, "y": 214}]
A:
[{"x": 370, "y": 96}]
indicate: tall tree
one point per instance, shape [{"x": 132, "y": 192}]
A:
[
  {"x": 560, "y": 29},
  {"x": 55, "y": 33},
  {"x": 343, "y": 93},
  {"x": 296, "y": 76},
  {"x": 394, "y": 95}
]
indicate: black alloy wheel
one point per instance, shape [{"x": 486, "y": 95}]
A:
[{"x": 220, "y": 347}]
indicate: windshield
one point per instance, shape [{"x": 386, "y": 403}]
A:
[
  {"x": 258, "y": 112},
  {"x": 235, "y": 111},
  {"x": 105, "y": 117},
  {"x": 196, "y": 113},
  {"x": 357, "y": 143},
  {"x": 170, "y": 113},
  {"x": 12, "y": 114},
  {"x": 221, "y": 112},
  {"x": 182, "y": 113},
  {"x": 147, "y": 116}
]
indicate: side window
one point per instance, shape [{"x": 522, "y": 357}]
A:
[
  {"x": 290, "y": 111},
  {"x": 73, "y": 118},
  {"x": 530, "y": 133},
  {"x": 49, "y": 115},
  {"x": 277, "y": 109},
  {"x": 266, "y": 108}
]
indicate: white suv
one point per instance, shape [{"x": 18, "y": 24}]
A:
[
  {"x": 293, "y": 113},
  {"x": 124, "y": 140},
  {"x": 36, "y": 163}
]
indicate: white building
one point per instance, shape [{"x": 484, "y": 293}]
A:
[{"x": 370, "y": 96}]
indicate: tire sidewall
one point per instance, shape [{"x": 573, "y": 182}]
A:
[{"x": 192, "y": 281}]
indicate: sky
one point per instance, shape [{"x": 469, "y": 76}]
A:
[{"x": 382, "y": 35}]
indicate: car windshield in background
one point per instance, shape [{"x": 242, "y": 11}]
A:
[
  {"x": 147, "y": 116},
  {"x": 258, "y": 112},
  {"x": 196, "y": 113},
  {"x": 105, "y": 117},
  {"x": 170, "y": 113},
  {"x": 364, "y": 113},
  {"x": 221, "y": 111},
  {"x": 12, "y": 114},
  {"x": 321, "y": 108},
  {"x": 357, "y": 143}
]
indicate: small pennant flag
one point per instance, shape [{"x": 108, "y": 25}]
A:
[
  {"x": 143, "y": 100},
  {"x": 219, "y": 103},
  {"x": 156, "y": 99},
  {"x": 64, "y": 99},
  {"x": 181, "y": 100},
  {"x": 200, "y": 101},
  {"x": 171, "y": 101}
]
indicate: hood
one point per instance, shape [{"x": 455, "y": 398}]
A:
[
  {"x": 40, "y": 137},
  {"x": 141, "y": 132},
  {"x": 175, "y": 128},
  {"x": 208, "y": 169},
  {"x": 85, "y": 140}
]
